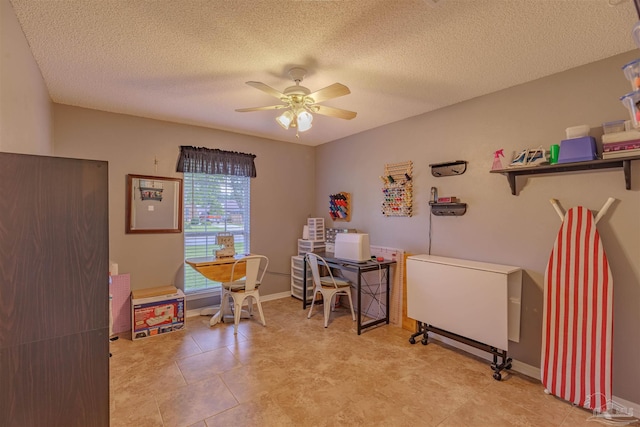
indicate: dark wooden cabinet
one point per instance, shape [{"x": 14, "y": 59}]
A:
[{"x": 54, "y": 293}]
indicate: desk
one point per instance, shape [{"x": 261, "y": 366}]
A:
[
  {"x": 358, "y": 268},
  {"x": 218, "y": 270}
]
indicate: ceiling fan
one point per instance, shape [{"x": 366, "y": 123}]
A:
[{"x": 300, "y": 102}]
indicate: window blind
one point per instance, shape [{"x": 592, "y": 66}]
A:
[{"x": 213, "y": 203}]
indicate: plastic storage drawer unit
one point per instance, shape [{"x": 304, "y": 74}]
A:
[{"x": 306, "y": 246}]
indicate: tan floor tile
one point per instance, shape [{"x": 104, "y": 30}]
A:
[
  {"x": 139, "y": 411},
  {"x": 262, "y": 411},
  {"x": 194, "y": 402},
  {"x": 215, "y": 337},
  {"x": 169, "y": 347},
  {"x": 580, "y": 417},
  {"x": 295, "y": 372},
  {"x": 206, "y": 365},
  {"x": 529, "y": 394},
  {"x": 197, "y": 323},
  {"x": 147, "y": 379},
  {"x": 308, "y": 400},
  {"x": 489, "y": 409},
  {"x": 249, "y": 382},
  {"x": 384, "y": 413}
]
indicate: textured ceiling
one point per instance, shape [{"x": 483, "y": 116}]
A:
[{"x": 187, "y": 61}]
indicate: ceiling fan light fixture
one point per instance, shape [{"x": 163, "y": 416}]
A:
[
  {"x": 285, "y": 119},
  {"x": 300, "y": 104},
  {"x": 304, "y": 119}
]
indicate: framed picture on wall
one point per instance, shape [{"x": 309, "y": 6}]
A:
[{"x": 154, "y": 204}]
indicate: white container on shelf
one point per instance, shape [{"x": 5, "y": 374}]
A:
[
  {"x": 577, "y": 131},
  {"x": 631, "y": 101},
  {"x": 632, "y": 73},
  {"x": 613, "y": 127}
]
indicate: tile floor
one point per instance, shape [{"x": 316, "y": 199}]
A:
[{"x": 294, "y": 372}]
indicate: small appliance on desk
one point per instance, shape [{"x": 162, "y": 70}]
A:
[
  {"x": 225, "y": 240},
  {"x": 352, "y": 247}
]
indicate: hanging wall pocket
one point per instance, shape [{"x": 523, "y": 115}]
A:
[{"x": 456, "y": 167}]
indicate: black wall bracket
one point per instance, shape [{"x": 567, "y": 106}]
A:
[
  {"x": 457, "y": 167},
  {"x": 448, "y": 209}
]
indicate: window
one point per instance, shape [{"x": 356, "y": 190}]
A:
[{"x": 213, "y": 203}]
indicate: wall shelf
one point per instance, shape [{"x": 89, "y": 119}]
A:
[
  {"x": 448, "y": 209},
  {"x": 624, "y": 163},
  {"x": 456, "y": 167}
]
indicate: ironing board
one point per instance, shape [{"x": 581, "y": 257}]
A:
[{"x": 578, "y": 313}]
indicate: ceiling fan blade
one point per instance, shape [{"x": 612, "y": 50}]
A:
[
  {"x": 269, "y": 107},
  {"x": 333, "y": 112},
  {"x": 267, "y": 89},
  {"x": 329, "y": 92}
]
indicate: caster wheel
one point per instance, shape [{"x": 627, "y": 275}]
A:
[
  {"x": 424, "y": 341},
  {"x": 497, "y": 376},
  {"x": 412, "y": 340},
  {"x": 508, "y": 366}
]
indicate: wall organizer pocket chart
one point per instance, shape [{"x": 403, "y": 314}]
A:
[
  {"x": 340, "y": 206},
  {"x": 398, "y": 189}
]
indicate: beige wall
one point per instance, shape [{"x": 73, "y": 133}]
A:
[
  {"x": 282, "y": 195},
  {"x": 25, "y": 106},
  {"x": 498, "y": 227}
]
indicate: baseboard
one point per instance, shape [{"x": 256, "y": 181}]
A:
[
  {"x": 516, "y": 365},
  {"x": 633, "y": 409},
  {"x": 272, "y": 297},
  {"x": 525, "y": 369},
  {"x": 209, "y": 293},
  {"x": 198, "y": 311}
]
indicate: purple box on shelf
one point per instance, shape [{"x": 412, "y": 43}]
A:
[{"x": 577, "y": 150}]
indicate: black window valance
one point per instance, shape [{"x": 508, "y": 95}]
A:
[{"x": 215, "y": 162}]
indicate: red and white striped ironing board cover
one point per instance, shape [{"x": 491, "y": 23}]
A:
[{"x": 578, "y": 315}]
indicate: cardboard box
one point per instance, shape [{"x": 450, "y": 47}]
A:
[
  {"x": 154, "y": 292},
  {"x": 156, "y": 311}
]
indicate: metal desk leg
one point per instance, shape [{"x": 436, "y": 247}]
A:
[
  {"x": 304, "y": 282},
  {"x": 358, "y": 290},
  {"x": 388, "y": 292}
]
